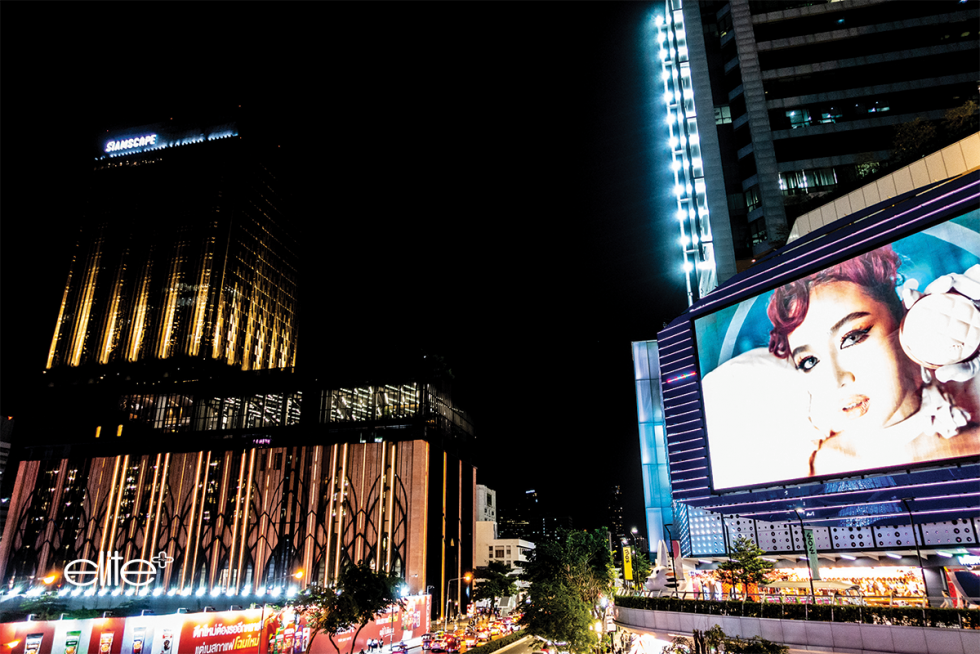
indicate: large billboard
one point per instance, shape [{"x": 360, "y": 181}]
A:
[
  {"x": 252, "y": 631},
  {"x": 832, "y": 375}
]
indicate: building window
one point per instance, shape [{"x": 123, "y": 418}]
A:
[
  {"x": 798, "y": 118},
  {"x": 807, "y": 181},
  {"x": 491, "y": 551},
  {"x": 500, "y": 553},
  {"x": 723, "y": 115}
]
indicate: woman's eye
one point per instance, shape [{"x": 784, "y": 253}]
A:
[
  {"x": 854, "y": 337},
  {"x": 806, "y": 364}
]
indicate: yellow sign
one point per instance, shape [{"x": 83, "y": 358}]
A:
[{"x": 627, "y": 563}]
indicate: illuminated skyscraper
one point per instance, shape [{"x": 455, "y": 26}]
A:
[
  {"x": 776, "y": 107},
  {"x": 185, "y": 251}
]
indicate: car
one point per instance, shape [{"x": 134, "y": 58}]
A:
[
  {"x": 427, "y": 641},
  {"x": 399, "y": 648}
]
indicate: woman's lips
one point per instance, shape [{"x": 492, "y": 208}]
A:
[{"x": 855, "y": 406}]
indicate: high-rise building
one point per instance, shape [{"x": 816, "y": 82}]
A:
[
  {"x": 615, "y": 515},
  {"x": 175, "y": 424},
  {"x": 185, "y": 252},
  {"x": 486, "y": 504},
  {"x": 776, "y": 107}
]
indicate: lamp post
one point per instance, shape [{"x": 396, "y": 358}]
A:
[
  {"x": 918, "y": 553},
  {"x": 467, "y": 577},
  {"x": 799, "y": 515}
]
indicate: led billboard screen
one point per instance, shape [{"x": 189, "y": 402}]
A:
[{"x": 812, "y": 379}]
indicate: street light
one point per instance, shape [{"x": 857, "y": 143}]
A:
[
  {"x": 467, "y": 577},
  {"x": 915, "y": 539},
  {"x": 799, "y": 514}
]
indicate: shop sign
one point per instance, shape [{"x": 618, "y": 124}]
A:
[{"x": 113, "y": 570}]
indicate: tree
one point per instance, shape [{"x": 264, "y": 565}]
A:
[
  {"x": 567, "y": 579},
  {"x": 913, "y": 140},
  {"x": 715, "y": 641},
  {"x": 745, "y": 565},
  {"x": 641, "y": 568},
  {"x": 359, "y": 596},
  {"x": 495, "y": 581}
]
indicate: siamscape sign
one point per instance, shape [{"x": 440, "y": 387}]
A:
[{"x": 146, "y": 140}]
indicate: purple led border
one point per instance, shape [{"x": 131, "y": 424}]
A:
[{"x": 976, "y": 196}]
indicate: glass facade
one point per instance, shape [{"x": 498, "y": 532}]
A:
[
  {"x": 653, "y": 441},
  {"x": 208, "y": 272}
]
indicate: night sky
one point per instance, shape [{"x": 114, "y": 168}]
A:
[{"x": 483, "y": 182}]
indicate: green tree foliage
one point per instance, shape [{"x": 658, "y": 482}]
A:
[
  {"x": 567, "y": 577},
  {"x": 714, "y": 641},
  {"x": 745, "y": 565},
  {"x": 962, "y": 121},
  {"x": 641, "y": 568},
  {"x": 913, "y": 140},
  {"x": 359, "y": 596},
  {"x": 495, "y": 582}
]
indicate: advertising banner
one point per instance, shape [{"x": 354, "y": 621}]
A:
[
  {"x": 252, "y": 631},
  {"x": 627, "y": 563},
  {"x": 811, "y": 553},
  {"x": 834, "y": 374},
  {"x": 225, "y": 631}
]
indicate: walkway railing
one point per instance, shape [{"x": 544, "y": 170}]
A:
[{"x": 864, "y": 609}]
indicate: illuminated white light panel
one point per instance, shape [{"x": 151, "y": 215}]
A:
[{"x": 685, "y": 145}]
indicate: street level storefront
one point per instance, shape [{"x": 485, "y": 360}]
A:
[{"x": 253, "y": 631}]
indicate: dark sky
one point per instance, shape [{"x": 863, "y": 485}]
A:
[{"x": 480, "y": 181}]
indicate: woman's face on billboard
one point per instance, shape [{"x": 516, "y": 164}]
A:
[{"x": 855, "y": 370}]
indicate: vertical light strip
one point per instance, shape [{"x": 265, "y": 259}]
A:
[
  {"x": 200, "y": 516},
  {"x": 170, "y": 304},
  {"x": 244, "y": 537},
  {"x": 360, "y": 518},
  {"x": 108, "y": 512},
  {"x": 138, "y": 326},
  {"x": 425, "y": 516},
  {"x": 219, "y": 520},
  {"x": 340, "y": 510},
  {"x": 108, "y": 336},
  {"x": 190, "y": 523},
  {"x": 685, "y": 147},
  {"x": 119, "y": 494},
  {"x": 444, "y": 589},
  {"x": 156, "y": 524},
  {"x": 61, "y": 317},
  {"x": 313, "y": 507},
  {"x": 85, "y": 306},
  {"x": 93, "y": 524},
  {"x": 391, "y": 505},
  {"x": 148, "y": 529},
  {"x": 264, "y": 520},
  {"x": 379, "y": 524},
  {"x": 247, "y": 358},
  {"x": 200, "y": 303},
  {"x": 137, "y": 501},
  {"x": 234, "y": 524},
  {"x": 330, "y": 514}
]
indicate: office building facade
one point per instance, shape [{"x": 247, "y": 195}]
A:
[{"x": 774, "y": 108}]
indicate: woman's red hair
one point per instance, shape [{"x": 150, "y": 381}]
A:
[{"x": 876, "y": 272}]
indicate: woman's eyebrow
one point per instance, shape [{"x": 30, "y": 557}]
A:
[{"x": 846, "y": 319}]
